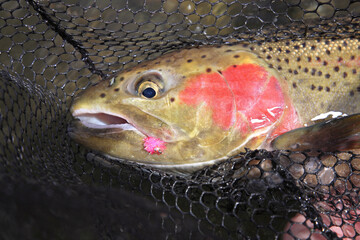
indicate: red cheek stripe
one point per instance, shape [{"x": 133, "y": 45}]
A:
[
  {"x": 258, "y": 97},
  {"x": 213, "y": 90},
  {"x": 268, "y": 108}
]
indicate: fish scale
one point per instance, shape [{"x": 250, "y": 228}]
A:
[
  {"x": 189, "y": 109},
  {"x": 323, "y": 75}
]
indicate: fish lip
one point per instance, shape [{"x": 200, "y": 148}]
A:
[{"x": 93, "y": 119}]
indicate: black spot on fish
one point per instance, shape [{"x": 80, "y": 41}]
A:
[
  {"x": 319, "y": 73},
  {"x": 236, "y": 56},
  {"x": 121, "y": 79},
  {"x": 333, "y": 84},
  {"x": 264, "y": 50},
  {"x": 287, "y": 43},
  {"x": 229, "y": 50},
  {"x": 189, "y": 60},
  {"x": 358, "y": 89},
  {"x": 336, "y": 69},
  {"x": 278, "y": 59},
  {"x": 345, "y": 44},
  {"x": 208, "y": 70},
  {"x": 312, "y": 87},
  {"x": 296, "y": 47},
  {"x": 325, "y": 63},
  {"x": 345, "y": 74},
  {"x": 351, "y": 93},
  {"x": 352, "y": 57},
  {"x": 203, "y": 56},
  {"x": 313, "y": 47},
  {"x": 172, "y": 99},
  {"x": 304, "y": 44},
  {"x": 299, "y": 67},
  {"x": 339, "y": 48},
  {"x": 309, "y": 59},
  {"x": 327, "y": 42},
  {"x": 271, "y": 66},
  {"x": 279, "y": 68},
  {"x": 294, "y": 85},
  {"x": 252, "y": 48},
  {"x": 313, "y": 71},
  {"x": 327, "y": 89},
  {"x": 279, "y": 49},
  {"x": 268, "y": 57},
  {"x": 102, "y": 95},
  {"x": 270, "y": 48},
  {"x": 320, "y": 88},
  {"x": 327, "y": 52},
  {"x": 290, "y": 70},
  {"x": 286, "y": 60},
  {"x": 245, "y": 45},
  {"x": 306, "y": 70},
  {"x": 116, "y": 89},
  {"x": 327, "y": 75},
  {"x": 340, "y": 59},
  {"x": 295, "y": 72},
  {"x": 298, "y": 59},
  {"x": 287, "y": 51},
  {"x": 318, "y": 59},
  {"x": 219, "y": 71},
  {"x": 354, "y": 71},
  {"x": 234, "y": 66}
]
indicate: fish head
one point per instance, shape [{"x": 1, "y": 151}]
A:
[{"x": 178, "y": 111}]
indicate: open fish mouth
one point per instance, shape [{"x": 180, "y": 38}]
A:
[{"x": 103, "y": 120}]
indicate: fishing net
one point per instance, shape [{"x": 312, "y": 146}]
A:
[{"x": 52, "y": 188}]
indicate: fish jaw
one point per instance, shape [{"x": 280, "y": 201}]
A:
[
  {"x": 141, "y": 123},
  {"x": 103, "y": 120}
]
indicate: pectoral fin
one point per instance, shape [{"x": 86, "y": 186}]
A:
[{"x": 338, "y": 134}]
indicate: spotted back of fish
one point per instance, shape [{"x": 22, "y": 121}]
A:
[{"x": 323, "y": 75}]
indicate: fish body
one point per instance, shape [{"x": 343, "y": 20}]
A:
[{"x": 191, "y": 108}]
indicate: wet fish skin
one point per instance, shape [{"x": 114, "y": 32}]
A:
[
  {"x": 323, "y": 75},
  {"x": 315, "y": 76}
]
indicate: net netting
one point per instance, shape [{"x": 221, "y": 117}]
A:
[{"x": 52, "y": 188}]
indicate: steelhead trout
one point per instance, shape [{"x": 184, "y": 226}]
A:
[{"x": 191, "y": 108}]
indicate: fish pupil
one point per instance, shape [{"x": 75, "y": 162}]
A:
[{"x": 149, "y": 92}]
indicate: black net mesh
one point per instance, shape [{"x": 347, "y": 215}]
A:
[{"x": 52, "y": 188}]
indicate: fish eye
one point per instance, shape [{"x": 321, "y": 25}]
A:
[
  {"x": 149, "y": 85},
  {"x": 149, "y": 92}
]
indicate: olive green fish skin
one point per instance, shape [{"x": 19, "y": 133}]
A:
[
  {"x": 322, "y": 75},
  {"x": 316, "y": 76}
]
